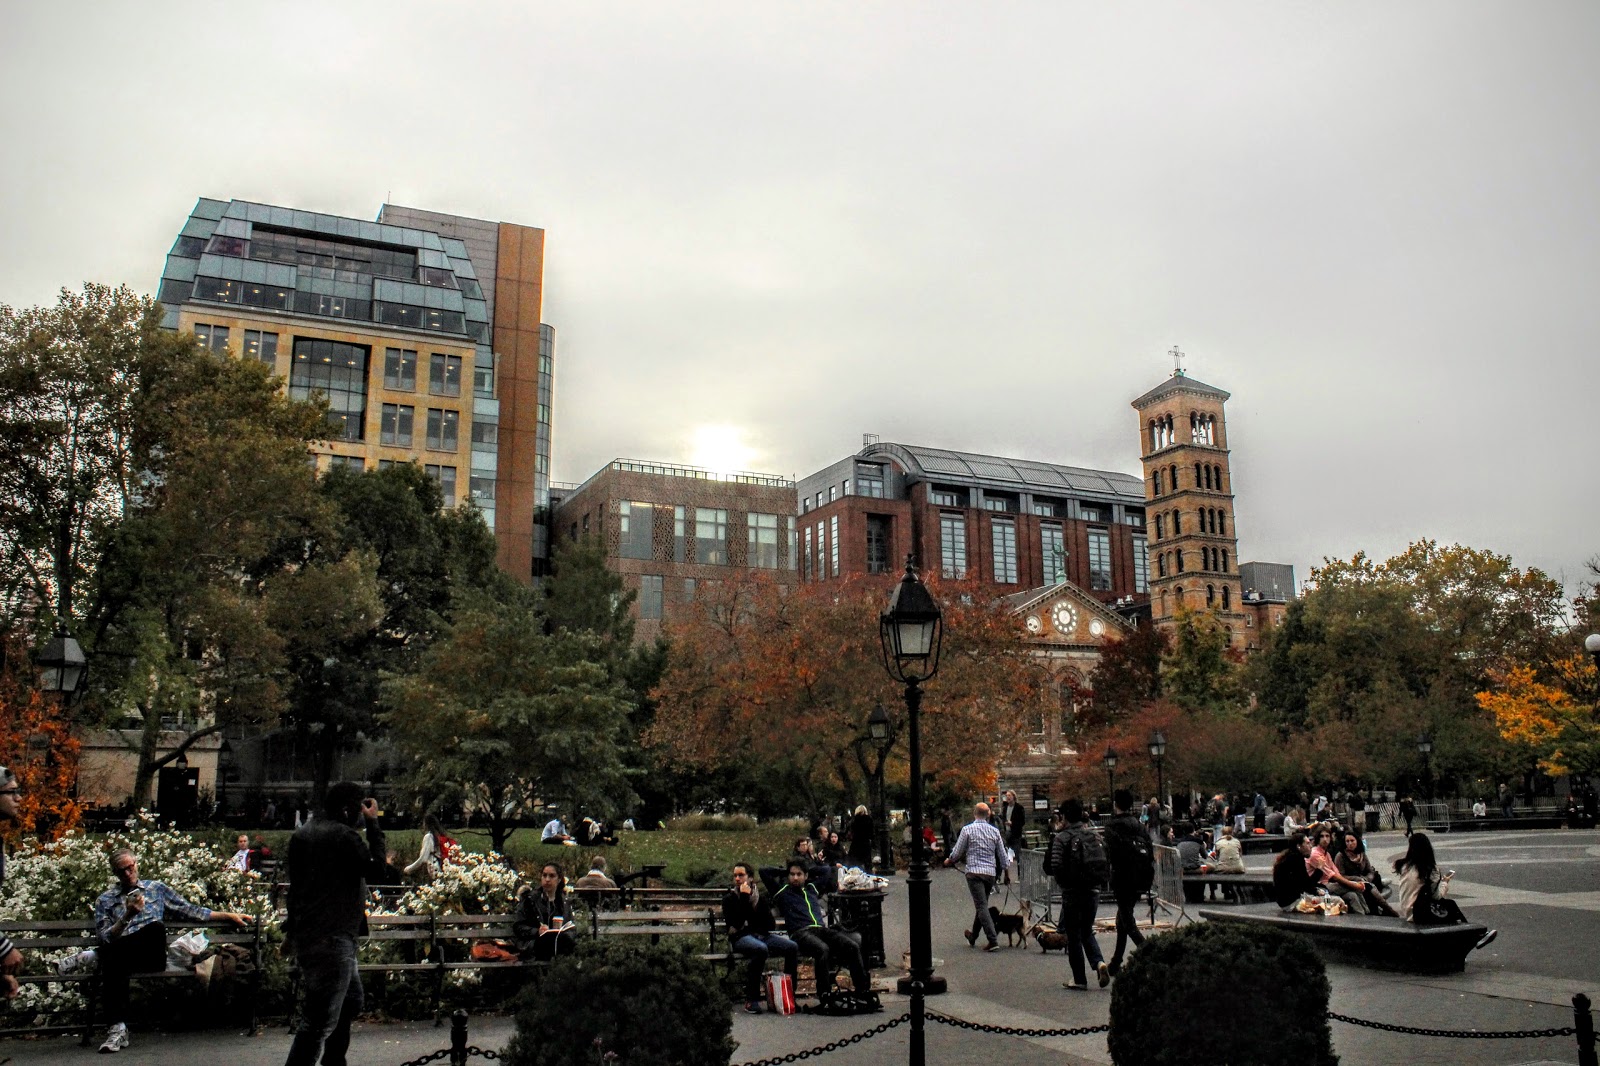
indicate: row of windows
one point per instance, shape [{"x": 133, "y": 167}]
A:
[
  {"x": 1171, "y": 563},
  {"x": 1213, "y": 596},
  {"x": 1212, "y": 520},
  {"x": 444, "y": 427},
  {"x": 400, "y": 372},
  {"x": 636, "y": 534},
  {"x": 1202, "y": 430},
  {"x": 1052, "y": 552},
  {"x": 444, "y": 475},
  {"x": 1206, "y": 476},
  {"x": 652, "y": 594}
]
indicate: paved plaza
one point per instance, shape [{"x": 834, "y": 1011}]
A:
[{"x": 1540, "y": 889}]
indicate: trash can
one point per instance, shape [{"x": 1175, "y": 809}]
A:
[
  {"x": 1372, "y": 820},
  {"x": 861, "y": 913}
]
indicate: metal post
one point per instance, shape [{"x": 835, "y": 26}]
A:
[
  {"x": 458, "y": 1038},
  {"x": 1584, "y": 1021},
  {"x": 919, "y": 893},
  {"x": 885, "y": 845},
  {"x": 1161, "y": 799}
]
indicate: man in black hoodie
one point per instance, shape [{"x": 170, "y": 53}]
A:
[
  {"x": 750, "y": 930},
  {"x": 1132, "y": 870}
]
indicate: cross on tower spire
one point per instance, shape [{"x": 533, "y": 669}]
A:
[{"x": 1177, "y": 362}]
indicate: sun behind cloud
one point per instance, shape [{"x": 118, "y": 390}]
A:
[{"x": 721, "y": 449}]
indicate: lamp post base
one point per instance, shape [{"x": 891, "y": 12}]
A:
[{"x": 933, "y": 986}]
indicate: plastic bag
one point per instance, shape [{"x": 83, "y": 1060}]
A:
[{"x": 184, "y": 952}]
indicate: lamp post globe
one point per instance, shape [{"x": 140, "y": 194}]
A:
[
  {"x": 911, "y": 632},
  {"x": 1109, "y": 761},
  {"x": 1157, "y": 745},
  {"x": 1591, "y": 644}
]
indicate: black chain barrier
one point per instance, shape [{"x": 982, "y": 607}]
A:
[
  {"x": 1458, "y": 1034},
  {"x": 796, "y": 1056},
  {"x": 962, "y": 1023},
  {"x": 442, "y": 1053}
]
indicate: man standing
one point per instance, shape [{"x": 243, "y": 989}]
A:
[
  {"x": 1132, "y": 870},
  {"x": 803, "y": 913},
  {"x": 327, "y": 913},
  {"x": 129, "y": 923},
  {"x": 1013, "y": 821},
  {"x": 984, "y": 851},
  {"x": 751, "y": 932},
  {"x": 1078, "y": 861},
  {"x": 10, "y": 810},
  {"x": 241, "y": 856}
]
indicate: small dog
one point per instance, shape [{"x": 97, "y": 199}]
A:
[
  {"x": 1012, "y": 925},
  {"x": 1049, "y": 939}
]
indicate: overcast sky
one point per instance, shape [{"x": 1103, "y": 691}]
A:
[{"x": 773, "y": 227}]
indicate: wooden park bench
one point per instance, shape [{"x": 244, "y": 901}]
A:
[
  {"x": 43, "y": 942},
  {"x": 1367, "y": 940}
]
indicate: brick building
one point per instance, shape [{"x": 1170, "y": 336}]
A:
[
  {"x": 669, "y": 529},
  {"x": 1013, "y": 523}
]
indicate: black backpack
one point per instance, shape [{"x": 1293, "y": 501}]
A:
[
  {"x": 1135, "y": 861},
  {"x": 1082, "y": 863}
]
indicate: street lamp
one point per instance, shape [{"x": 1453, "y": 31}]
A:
[
  {"x": 1109, "y": 759},
  {"x": 881, "y": 731},
  {"x": 911, "y": 633},
  {"x": 61, "y": 664},
  {"x": 1591, "y": 644},
  {"x": 1158, "y": 751},
  {"x": 1425, "y": 748}
]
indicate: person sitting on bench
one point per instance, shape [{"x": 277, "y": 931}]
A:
[
  {"x": 1354, "y": 865},
  {"x": 1322, "y": 867},
  {"x": 751, "y": 932},
  {"x": 803, "y": 914},
  {"x": 128, "y": 922},
  {"x": 1291, "y": 877},
  {"x": 1423, "y": 888},
  {"x": 543, "y": 929}
]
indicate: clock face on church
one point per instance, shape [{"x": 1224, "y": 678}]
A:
[{"x": 1065, "y": 618}]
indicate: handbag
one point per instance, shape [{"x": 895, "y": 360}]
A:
[{"x": 780, "y": 993}]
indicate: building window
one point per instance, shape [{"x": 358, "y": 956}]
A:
[
  {"x": 486, "y": 433},
  {"x": 262, "y": 345},
  {"x": 1224, "y": 567},
  {"x": 338, "y": 371},
  {"x": 1211, "y": 595},
  {"x": 688, "y": 590},
  {"x": 1141, "y": 565},
  {"x": 763, "y": 548},
  {"x": 822, "y": 546},
  {"x": 213, "y": 337},
  {"x": 1161, "y": 526},
  {"x": 481, "y": 488},
  {"x": 400, "y": 369},
  {"x": 806, "y": 574},
  {"x": 831, "y": 491},
  {"x": 444, "y": 375},
  {"x": 953, "y": 545},
  {"x": 444, "y": 428},
  {"x": 396, "y": 427},
  {"x": 483, "y": 381},
  {"x": 1227, "y": 601},
  {"x": 1003, "y": 538},
  {"x": 711, "y": 535},
  {"x": 542, "y": 413},
  {"x": 1155, "y": 481},
  {"x": 1161, "y": 565},
  {"x": 1222, "y": 523},
  {"x": 636, "y": 527},
  {"x": 1053, "y": 552},
  {"x": 946, "y": 498},
  {"x": 680, "y": 536},
  {"x": 996, "y": 503},
  {"x": 792, "y": 539},
  {"x": 446, "y": 477},
  {"x": 869, "y": 479},
  {"x": 805, "y": 505},
  {"x": 650, "y": 596},
  {"x": 833, "y": 543},
  {"x": 1089, "y": 512},
  {"x": 1134, "y": 518},
  {"x": 1099, "y": 560},
  {"x": 1180, "y": 560},
  {"x": 877, "y": 544},
  {"x": 1177, "y": 523},
  {"x": 353, "y": 463}
]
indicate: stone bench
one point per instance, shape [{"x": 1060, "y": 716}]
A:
[{"x": 1367, "y": 940}]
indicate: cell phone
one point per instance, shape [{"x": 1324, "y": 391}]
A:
[{"x": 1449, "y": 873}]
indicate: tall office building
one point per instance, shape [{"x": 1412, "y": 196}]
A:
[{"x": 422, "y": 330}]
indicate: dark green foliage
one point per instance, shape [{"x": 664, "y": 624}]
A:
[
  {"x": 1164, "y": 1005},
  {"x": 653, "y": 1005}
]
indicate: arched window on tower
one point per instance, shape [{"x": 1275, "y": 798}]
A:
[
  {"x": 1173, "y": 472},
  {"x": 1224, "y": 560},
  {"x": 1155, "y": 482},
  {"x": 1208, "y": 476},
  {"x": 1211, "y": 595},
  {"x": 1180, "y": 560},
  {"x": 1218, "y": 478},
  {"x": 1161, "y": 526},
  {"x": 1165, "y": 610},
  {"x": 1222, "y": 523},
  {"x": 1177, "y": 523},
  {"x": 1226, "y": 602},
  {"x": 1179, "y": 591},
  {"x": 1197, "y": 475},
  {"x": 1161, "y": 565}
]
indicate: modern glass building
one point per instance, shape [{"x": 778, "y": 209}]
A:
[{"x": 422, "y": 330}]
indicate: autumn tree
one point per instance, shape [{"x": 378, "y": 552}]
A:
[
  {"x": 1546, "y": 720},
  {"x": 783, "y": 679},
  {"x": 1128, "y": 675},
  {"x": 37, "y": 745},
  {"x": 501, "y": 714}
]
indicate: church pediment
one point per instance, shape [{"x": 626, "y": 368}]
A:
[{"x": 1065, "y": 614}]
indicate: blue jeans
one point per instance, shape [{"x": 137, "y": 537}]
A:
[
  {"x": 757, "y": 949},
  {"x": 982, "y": 887},
  {"x": 333, "y": 999}
]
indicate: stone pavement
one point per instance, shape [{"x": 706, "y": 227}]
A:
[{"x": 1537, "y": 888}]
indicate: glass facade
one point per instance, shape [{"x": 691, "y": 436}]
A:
[
  {"x": 637, "y": 522},
  {"x": 1003, "y": 539},
  {"x": 1099, "y": 560},
  {"x": 711, "y": 535},
  {"x": 763, "y": 546},
  {"x": 953, "y": 545},
  {"x": 1052, "y": 552},
  {"x": 338, "y": 371}
]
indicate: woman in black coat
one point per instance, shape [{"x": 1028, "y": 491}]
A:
[{"x": 860, "y": 854}]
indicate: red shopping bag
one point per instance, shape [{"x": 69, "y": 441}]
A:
[{"x": 780, "y": 993}]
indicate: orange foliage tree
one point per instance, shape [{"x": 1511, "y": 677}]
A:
[
  {"x": 1544, "y": 719},
  {"x": 782, "y": 681},
  {"x": 37, "y": 745}
]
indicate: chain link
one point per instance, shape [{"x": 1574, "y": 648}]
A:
[
  {"x": 440, "y": 1054},
  {"x": 1459, "y": 1034},
  {"x": 474, "y": 1049},
  {"x": 834, "y": 1046},
  {"x": 945, "y": 1019}
]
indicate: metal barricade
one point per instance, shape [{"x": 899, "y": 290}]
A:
[
  {"x": 1167, "y": 891},
  {"x": 1033, "y": 884}
]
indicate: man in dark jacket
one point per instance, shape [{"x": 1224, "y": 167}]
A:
[
  {"x": 1080, "y": 896},
  {"x": 327, "y": 914},
  {"x": 751, "y": 932},
  {"x": 803, "y": 915},
  {"x": 1290, "y": 877},
  {"x": 1128, "y": 848}
]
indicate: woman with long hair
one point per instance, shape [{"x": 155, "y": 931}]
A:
[
  {"x": 543, "y": 929},
  {"x": 431, "y": 855},
  {"x": 1423, "y": 888}
]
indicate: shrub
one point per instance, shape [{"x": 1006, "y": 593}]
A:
[
  {"x": 713, "y": 823},
  {"x": 1163, "y": 1006},
  {"x": 612, "y": 1001}
]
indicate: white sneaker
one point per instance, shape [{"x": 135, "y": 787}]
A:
[
  {"x": 116, "y": 1039},
  {"x": 77, "y": 962}
]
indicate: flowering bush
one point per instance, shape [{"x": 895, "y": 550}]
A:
[{"x": 476, "y": 883}]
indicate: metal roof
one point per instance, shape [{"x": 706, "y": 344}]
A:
[
  {"x": 942, "y": 464},
  {"x": 1179, "y": 382}
]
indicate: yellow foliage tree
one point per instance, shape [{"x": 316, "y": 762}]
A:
[{"x": 1546, "y": 719}]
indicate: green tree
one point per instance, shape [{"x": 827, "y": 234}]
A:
[
  {"x": 1197, "y": 672},
  {"x": 1128, "y": 675},
  {"x": 501, "y": 714}
]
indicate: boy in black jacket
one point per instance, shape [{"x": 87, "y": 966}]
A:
[{"x": 750, "y": 931}]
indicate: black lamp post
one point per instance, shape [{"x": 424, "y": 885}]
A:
[
  {"x": 1109, "y": 759},
  {"x": 911, "y": 632},
  {"x": 1425, "y": 749},
  {"x": 61, "y": 665},
  {"x": 881, "y": 730},
  {"x": 1158, "y": 751}
]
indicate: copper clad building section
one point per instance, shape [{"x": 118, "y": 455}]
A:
[{"x": 519, "y": 293}]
